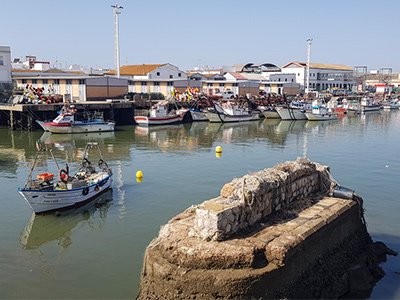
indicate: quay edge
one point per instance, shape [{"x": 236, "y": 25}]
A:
[{"x": 277, "y": 233}]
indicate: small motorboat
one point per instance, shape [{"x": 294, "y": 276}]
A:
[
  {"x": 66, "y": 123},
  {"x": 46, "y": 194},
  {"x": 159, "y": 116}
]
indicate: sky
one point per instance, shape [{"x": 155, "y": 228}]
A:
[{"x": 212, "y": 33}]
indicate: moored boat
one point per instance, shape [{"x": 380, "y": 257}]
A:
[
  {"x": 48, "y": 194},
  {"x": 231, "y": 111},
  {"x": 66, "y": 123},
  {"x": 159, "y": 116},
  {"x": 367, "y": 104},
  {"x": 394, "y": 104},
  {"x": 319, "y": 113},
  {"x": 295, "y": 111},
  {"x": 269, "y": 112}
]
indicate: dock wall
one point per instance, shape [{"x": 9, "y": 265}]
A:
[{"x": 299, "y": 242}]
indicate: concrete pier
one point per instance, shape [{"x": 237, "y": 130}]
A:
[{"x": 276, "y": 233}]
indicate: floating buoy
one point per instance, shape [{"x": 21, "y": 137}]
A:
[
  {"x": 139, "y": 174},
  {"x": 218, "y": 149}
]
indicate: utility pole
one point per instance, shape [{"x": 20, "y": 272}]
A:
[
  {"x": 116, "y": 37},
  {"x": 308, "y": 65}
]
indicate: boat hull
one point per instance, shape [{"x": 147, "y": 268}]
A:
[
  {"x": 78, "y": 127},
  {"x": 370, "y": 108},
  {"x": 46, "y": 201},
  {"x": 142, "y": 120},
  {"x": 224, "y": 118},
  {"x": 198, "y": 115},
  {"x": 291, "y": 114},
  {"x": 317, "y": 117},
  {"x": 270, "y": 114}
]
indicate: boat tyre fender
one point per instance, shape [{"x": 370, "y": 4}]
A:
[
  {"x": 85, "y": 191},
  {"x": 63, "y": 175}
]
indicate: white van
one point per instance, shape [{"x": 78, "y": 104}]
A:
[{"x": 226, "y": 94}]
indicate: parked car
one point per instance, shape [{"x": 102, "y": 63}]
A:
[{"x": 226, "y": 94}]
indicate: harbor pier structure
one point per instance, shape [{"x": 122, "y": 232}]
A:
[
  {"x": 283, "y": 232},
  {"x": 24, "y": 116}
]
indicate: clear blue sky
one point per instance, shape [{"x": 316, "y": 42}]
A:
[{"x": 189, "y": 33}]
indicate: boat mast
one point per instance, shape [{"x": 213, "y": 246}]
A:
[{"x": 308, "y": 65}]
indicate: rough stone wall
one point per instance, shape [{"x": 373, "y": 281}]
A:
[{"x": 246, "y": 200}]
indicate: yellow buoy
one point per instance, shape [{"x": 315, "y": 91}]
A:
[
  {"x": 218, "y": 149},
  {"x": 139, "y": 174}
]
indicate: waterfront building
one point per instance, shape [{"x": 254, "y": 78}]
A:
[
  {"x": 153, "y": 78},
  {"x": 5, "y": 68},
  {"x": 75, "y": 86},
  {"x": 322, "y": 76}
]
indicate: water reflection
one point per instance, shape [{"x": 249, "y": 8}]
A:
[
  {"x": 72, "y": 141},
  {"x": 42, "y": 229}
]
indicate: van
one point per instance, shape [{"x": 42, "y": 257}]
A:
[{"x": 226, "y": 94}]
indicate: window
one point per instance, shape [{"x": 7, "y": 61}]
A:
[
  {"x": 1, "y": 60},
  {"x": 209, "y": 84},
  {"x": 81, "y": 81},
  {"x": 170, "y": 76},
  {"x": 44, "y": 81},
  {"x": 24, "y": 81},
  {"x": 34, "y": 81},
  {"x": 285, "y": 79},
  {"x": 156, "y": 83},
  {"x": 68, "y": 81},
  {"x": 158, "y": 73},
  {"x": 235, "y": 84},
  {"x": 179, "y": 74},
  {"x": 222, "y": 84},
  {"x": 56, "y": 81},
  {"x": 170, "y": 84}
]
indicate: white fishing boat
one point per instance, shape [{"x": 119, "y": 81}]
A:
[
  {"x": 66, "y": 123},
  {"x": 295, "y": 111},
  {"x": 159, "y": 116},
  {"x": 320, "y": 113},
  {"x": 367, "y": 104},
  {"x": 231, "y": 111},
  {"x": 48, "y": 194},
  {"x": 394, "y": 104}
]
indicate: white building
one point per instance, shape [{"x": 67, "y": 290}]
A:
[
  {"x": 5, "y": 66},
  {"x": 322, "y": 76}
]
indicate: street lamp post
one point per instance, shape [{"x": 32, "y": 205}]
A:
[
  {"x": 308, "y": 65},
  {"x": 116, "y": 8}
]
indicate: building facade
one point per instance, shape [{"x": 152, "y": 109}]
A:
[
  {"x": 322, "y": 76},
  {"x": 5, "y": 68}
]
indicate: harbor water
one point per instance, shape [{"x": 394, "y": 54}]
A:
[{"x": 96, "y": 252}]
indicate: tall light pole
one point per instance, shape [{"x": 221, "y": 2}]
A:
[
  {"x": 116, "y": 37},
  {"x": 308, "y": 65}
]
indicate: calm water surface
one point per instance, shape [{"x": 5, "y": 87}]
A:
[{"x": 96, "y": 252}]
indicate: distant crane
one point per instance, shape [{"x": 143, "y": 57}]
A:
[{"x": 116, "y": 9}]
